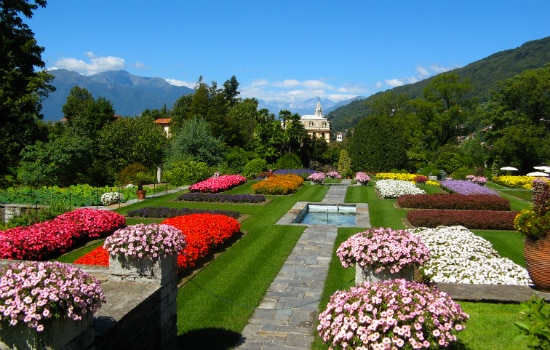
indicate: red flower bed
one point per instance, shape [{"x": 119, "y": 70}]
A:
[
  {"x": 472, "y": 219},
  {"x": 41, "y": 241},
  {"x": 203, "y": 232},
  {"x": 98, "y": 256},
  {"x": 454, "y": 201},
  {"x": 218, "y": 184}
]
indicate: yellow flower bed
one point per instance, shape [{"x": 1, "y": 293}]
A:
[
  {"x": 396, "y": 176},
  {"x": 514, "y": 181},
  {"x": 432, "y": 183},
  {"x": 278, "y": 184}
]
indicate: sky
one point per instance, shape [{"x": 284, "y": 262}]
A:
[{"x": 284, "y": 50}]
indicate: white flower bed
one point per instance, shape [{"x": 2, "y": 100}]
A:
[
  {"x": 109, "y": 198},
  {"x": 460, "y": 256},
  {"x": 396, "y": 188}
]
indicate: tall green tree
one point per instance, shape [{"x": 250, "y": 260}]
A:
[{"x": 22, "y": 86}]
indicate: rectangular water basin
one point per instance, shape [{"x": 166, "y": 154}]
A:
[{"x": 327, "y": 214}]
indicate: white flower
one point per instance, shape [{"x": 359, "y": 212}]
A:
[{"x": 396, "y": 188}]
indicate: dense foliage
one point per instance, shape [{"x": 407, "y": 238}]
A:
[
  {"x": 222, "y": 197},
  {"x": 165, "y": 212},
  {"x": 454, "y": 201},
  {"x": 472, "y": 219}
]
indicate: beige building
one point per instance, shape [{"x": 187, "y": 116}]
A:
[{"x": 317, "y": 125}]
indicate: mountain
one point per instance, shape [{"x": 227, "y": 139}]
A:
[
  {"x": 483, "y": 74},
  {"x": 129, "y": 94},
  {"x": 302, "y": 107}
]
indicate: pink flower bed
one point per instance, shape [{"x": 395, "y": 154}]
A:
[
  {"x": 41, "y": 241},
  {"x": 218, "y": 184}
]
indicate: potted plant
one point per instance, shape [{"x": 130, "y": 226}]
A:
[
  {"x": 317, "y": 178},
  {"x": 142, "y": 178},
  {"x": 383, "y": 254},
  {"x": 362, "y": 178},
  {"x": 390, "y": 315},
  {"x": 41, "y": 299},
  {"x": 534, "y": 223}
]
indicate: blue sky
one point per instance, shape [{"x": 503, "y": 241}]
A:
[{"x": 284, "y": 49}]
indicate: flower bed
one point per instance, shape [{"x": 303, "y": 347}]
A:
[
  {"x": 222, "y": 197},
  {"x": 396, "y": 188},
  {"x": 396, "y": 176},
  {"x": 165, "y": 212},
  {"x": 454, "y": 201},
  {"x": 473, "y": 219},
  {"x": 514, "y": 181},
  {"x": 303, "y": 173},
  {"x": 218, "y": 184},
  {"x": 334, "y": 175},
  {"x": 466, "y": 187},
  {"x": 46, "y": 239},
  {"x": 390, "y": 315},
  {"x": 32, "y": 292},
  {"x": 278, "y": 185},
  {"x": 384, "y": 249},
  {"x": 202, "y": 233},
  {"x": 460, "y": 256}
]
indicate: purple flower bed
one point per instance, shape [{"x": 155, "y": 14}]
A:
[
  {"x": 165, "y": 212},
  {"x": 303, "y": 173},
  {"x": 222, "y": 197},
  {"x": 465, "y": 187}
]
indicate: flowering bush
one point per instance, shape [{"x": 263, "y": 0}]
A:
[
  {"x": 466, "y": 187},
  {"x": 480, "y": 180},
  {"x": 334, "y": 175},
  {"x": 390, "y": 315},
  {"x": 218, "y": 184},
  {"x": 278, "y": 184},
  {"x": 109, "y": 198},
  {"x": 317, "y": 178},
  {"x": 460, "y": 256},
  {"x": 396, "y": 188},
  {"x": 384, "y": 249},
  {"x": 32, "y": 292},
  {"x": 535, "y": 222},
  {"x": 420, "y": 179},
  {"x": 362, "y": 178},
  {"x": 145, "y": 241},
  {"x": 43, "y": 240},
  {"x": 202, "y": 232}
]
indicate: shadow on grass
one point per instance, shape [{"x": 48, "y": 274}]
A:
[{"x": 209, "y": 338}]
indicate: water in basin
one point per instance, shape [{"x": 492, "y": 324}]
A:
[{"x": 319, "y": 214}]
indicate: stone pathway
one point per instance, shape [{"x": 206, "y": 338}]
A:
[{"x": 287, "y": 315}]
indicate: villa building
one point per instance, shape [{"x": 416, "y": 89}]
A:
[{"x": 317, "y": 125}]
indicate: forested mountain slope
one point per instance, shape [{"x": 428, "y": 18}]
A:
[{"x": 483, "y": 74}]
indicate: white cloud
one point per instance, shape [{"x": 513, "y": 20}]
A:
[
  {"x": 394, "y": 82},
  {"x": 293, "y": 90},
  {"x": 421, "y": 74},
  {"x": 94, "y": 65},
  {"x": 140, "y": 65},
  {"x": 176, "y": 82}
]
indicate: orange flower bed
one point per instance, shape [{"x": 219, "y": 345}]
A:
[
  {"x": 278, "y": 184},
  {"x": 203, "y": 232}
]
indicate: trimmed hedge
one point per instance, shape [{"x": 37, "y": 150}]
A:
[
  {"x": 472, "y": 219},
  {"x": 454, "y": 201}
]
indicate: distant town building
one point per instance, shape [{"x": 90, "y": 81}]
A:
[
  {"x": 339, "y": 136},
  {"x": 165, "y": 124},
  {"x": 317, "y": 125}
]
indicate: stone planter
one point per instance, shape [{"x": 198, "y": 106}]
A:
[
  {"x": 61, "y": 333},
  {"x": 144, "y": 270},
  {"x": 367, "y": 274}
]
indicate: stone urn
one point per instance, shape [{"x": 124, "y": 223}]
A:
[{"x": 367, "y": 274}]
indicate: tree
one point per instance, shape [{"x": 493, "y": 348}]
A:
[
  {"x": 22, "y": 88},
  {"x": 231, "y": 90}
]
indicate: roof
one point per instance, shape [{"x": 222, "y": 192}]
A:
[{"x": 163, "y": 121}]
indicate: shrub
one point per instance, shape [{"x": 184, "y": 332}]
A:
[
  {"x": 109, "y": 198},
  {"x": 254, "y": 167},
  {"x": 128, "y": 175},
  {"x": 289, "y": 161},
  {"x": 454, "y": 201},
  {"x": 535, "y": 324},
  {"x": 472, "y": 219},
  {"x": 185, "y": 172}
]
